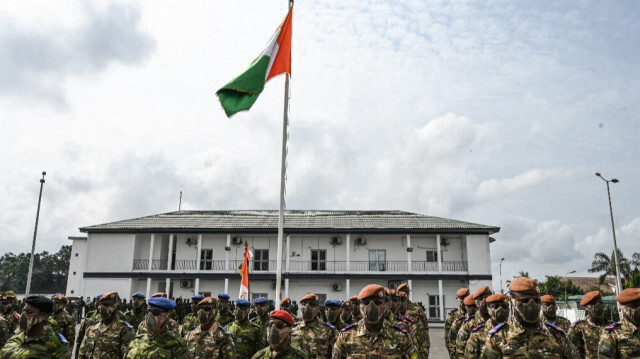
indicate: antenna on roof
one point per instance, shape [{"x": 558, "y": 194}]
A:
[{"x": 180, "y": 203}]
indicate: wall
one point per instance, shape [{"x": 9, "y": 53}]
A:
[
  {"x": 478, "y": 251},
  {"x": 95, "y": 286},
  {"x": 110, "y": 252},
  {"x": 76, "y": 267}
]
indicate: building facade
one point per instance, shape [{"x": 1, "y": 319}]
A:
[{"x": 331, "y": 253}]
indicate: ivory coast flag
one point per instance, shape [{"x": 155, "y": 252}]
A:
[
  {"x": 244, "y": 272},
  {"x": 241, "y": 93}
]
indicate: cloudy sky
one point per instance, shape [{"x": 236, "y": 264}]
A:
[{"x": 492, "y": 112}]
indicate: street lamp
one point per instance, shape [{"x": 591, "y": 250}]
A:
[
  {"x": 565, "y": 287},
  {"x": 613, "y": 229},
  {"x": 501, "y": 260}
]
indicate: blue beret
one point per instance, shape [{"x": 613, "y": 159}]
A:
[
  {"x": 224, "y": 296},
  {"x": 243, "y": 303},
  {"x": 332, "y": 303},
  {"x": 97, "y": 297},
  {"x": 138, "y": 295},
  {"x": 261, "y": 300},
  {"x": 197, "y": 297},
  {"x": 163, "y": 303}
]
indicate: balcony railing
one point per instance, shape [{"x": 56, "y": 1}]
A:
[{"x": 304, "y": 266}]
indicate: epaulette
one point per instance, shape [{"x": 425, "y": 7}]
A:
[
  {"x": 612, "y": 326},
  {"x": 224, "y": 330},
  {"x": 496, "y": 329},
  {"x": 327, "y": 324},
  {"x": 557, "y": 328},
  {"x": 573, "y": 325},
  {"x": 127, "y": 312},
  {"x": 350, "y": 326},
  {"x": 468, "y": 319},
  {"x": 62, "y": 338},
  {"x": 477, "y": 328},
  {"x": 400, "y": 329},
  {"x": 126, "y": 324},
  {"x": 460, "y": 319}
]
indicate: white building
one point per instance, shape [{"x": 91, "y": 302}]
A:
[{"x": 331, "y": 253}]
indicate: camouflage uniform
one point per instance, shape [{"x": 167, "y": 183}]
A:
[
  {"x": 248, "y": 338},
  {"x": 410, "y": 326},
  {"x": 5, "y": 331},
  {"x": 189, "y": 322},
  {"x": 165, "y": 345},
  {"x": 45, "y": 345},
  {"x": 135, "y": 317},
  {"x": 13, "y": 320},
  {"x": 314, "y": 338},
  {"x": 225, "y": 318},
  {"x": 585, "y": 335},
  {"x": 453, "y": 332},
  {"x": 289, "y": 353},
  {"x": 66, "y": 324},
  {"x": 172, "y": 325},
  {"x": 451, "y": 318},
  {"x": 465, "y": 332},
  {"x": 477, "y": 338},
  {"x": 106, "y": 340},
  {"x": 391, "y": 342},
  {"x": 339, "y": 324},
  {"x": 558, "y": 321},
  {"x": 91, "y": 319},
  {"x": 512, "y": 340},
  {"x": 619, "y": 340},
  {"x": 214, "y": 343}
]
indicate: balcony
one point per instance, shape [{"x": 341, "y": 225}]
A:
[{"x": 269, "y": 266}]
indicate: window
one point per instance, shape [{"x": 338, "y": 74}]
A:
[
  {"x": 206, "y": 259},
  {"x": 206, "y": 294},
  {"x": 261, "y": 259},
  {"x": 434, "y": 306},
  {"x": 318, "y": 259},
  {"x": 321, "y": 298},
  {"x": 377, "y": 260},
  {"x": 432, "y": 256}
]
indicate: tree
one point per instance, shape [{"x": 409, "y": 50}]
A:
[
  {"x": 50, "y": 271},
  {"x": 556, "y": 287},
  {"x": 606, "y": 264}
]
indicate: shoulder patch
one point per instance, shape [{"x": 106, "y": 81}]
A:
[
  {"x": 453, "y": 311},
  {"x": 468, "y": 319},
  {"x": 224, "y": 330},
  {"x": 350, "y": 326},
  {"x": 555, "y": 327},
  {"x": 62, "y": 338},
  {"x": 327, "y": 324},
  {"x": 612, "y": 326},
  {"x": 477, "y": 328},
  {"x": 460, "y": 319},
  {"x": 296, "y": 324},
  {"x": 496, "y": 329},
  {"x": 400, "y": 329},
  {"x": 573, "y": 325},
  {"x": 126, "y": 324}
]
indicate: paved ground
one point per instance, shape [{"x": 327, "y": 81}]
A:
[{"x": 438, "y": 350}]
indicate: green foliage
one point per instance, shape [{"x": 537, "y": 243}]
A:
[
  {"x": 49, "y": 271},
  {"x": 606, "y": 264},
  {"x": 556, "y": 287}
]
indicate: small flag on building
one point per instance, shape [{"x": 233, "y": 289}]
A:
[
  {"x": 244, "y": 272},
  {"x": 243, "y": 91}
]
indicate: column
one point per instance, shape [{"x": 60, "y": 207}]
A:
[
  {"x": 286, "y": 287},
  {"x": 170, "y": 255},
  {"x": 196, "y": 287},
  {"x": 167, "y": 286},
  {"x": 226, "y": 285},
  {"x": 153, "y": 238},
  {"x": 348, "y": 246},
  {"x": 440, "y": 298},
  {"x": 408, "y": 253},
  {"x": 226, "y": 254},
  {"x": 410, "y": 283},
  {"x": 148, "y": 294},
  {"x": 348, "y": 289},
  {"x": 287, "y": 257},
  {"x": 438, "y": 253}
]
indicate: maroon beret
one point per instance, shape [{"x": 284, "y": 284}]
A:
[
  {"x": 468, "y": 300},
  {"x": 628, "y": 295},
  {"x": 282, "y": 315},
  {"x": 590, "y": 297},
  {"x": 462, "y": 292},
  {"x": 523, "y": 284},
  {"x": 372, "y": 290},
  {"x": 481, "y": 291},
  {"x": 285, "y": 300},
  {"x": 208, "y": 300},
  {"x": 547, "y": 299},
  {"x": 495, "y": 298},
  {"x": 110, "y": 295},
  {"x": 404, "y": 287},
  {"x": 310, "y": 296}
]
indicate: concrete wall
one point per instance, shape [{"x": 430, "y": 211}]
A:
[
  {"x": 95, "y": 286},
  {"x": 478, "y": 251},
  {"x": 110, "y": 252},
  {"x": 76, "y": 267}
]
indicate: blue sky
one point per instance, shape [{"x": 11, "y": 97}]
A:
[{"x": 496, "y": 112}]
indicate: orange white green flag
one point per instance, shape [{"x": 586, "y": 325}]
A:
[
  {"x": 243, "y": 91},
  {"x": 244, "y": 272}
]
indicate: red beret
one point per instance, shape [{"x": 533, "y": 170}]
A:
[
  {"x": 285, "y": 300},
  {"x": 404, "y": 287},
  {"x": 523, "y": 284},
  {"x": 110, "y": 295},
  {"x": 590, "y": 297},
  {"x": 481, "y": 291},
  {"x": 468, "y": 300},
  {"x": 62, "y": 298},
  {"x": 495, "y": 298},
  {"x": 547, "y": 299},
  {"x": 462, "y": 292},
  {"x": 628, "y": 295},
  {"x": 282, "y": 315},
  {"x": 310, "y": 296},
  {"x": 208, "y": 300},
  {"x": 159, "y": 294},
  {"x": 372, "y": 290}
]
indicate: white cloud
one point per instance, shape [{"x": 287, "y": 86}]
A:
[{"x": 496, "y": 189}]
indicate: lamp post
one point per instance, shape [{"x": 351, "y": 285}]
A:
[
  {"x": 501, "y": 260},
  {"x": 33, "y": 245},
  {"x": 613, "y": 229},
  {"x": 565, "y": 287}
]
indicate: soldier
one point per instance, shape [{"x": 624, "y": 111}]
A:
[
  {"x": 524, "y": 335},
  {"x": 332, "y": 311},
  {"x": 373, "y": 337},
  {"x": 397, "y": 309},
  {"x": 549, "y": 310},
  {"x": 138, "y": 310},
  {"x": 225, "y": 317},
  {"x": 90, "y": 319},
  {"x": 8, "y": 312},
  {"x": 158, "y": 341},
  {"x": 416, "y": 311},
  {"x": 247, "y": 337},
  {"x": 356, "y": 308},
  {"x": 285, "y": 304},
  {"x": 585, "y": 334},
  {"x": 261, "y": 307},
  {"x": 346, "y": 314},
  {"x": 65, "y": 321},
  {"x": 498, "y": 306},
  {"x": 172, "y": 324},
  {"x": 310, "y": 335},
  {"x": 110, "y": 337},
  {"x": 208, "y": 339},
  {"x": 481, "y": 316},
  {"x": 470, "y": 310},
  {"x": 36, "y": 339},
  {"x": 190, "y": 321},
  {"x": 453, "y": 315},
  {"x": 622, "y": 340},
  {"x": 279, "y": 338}
]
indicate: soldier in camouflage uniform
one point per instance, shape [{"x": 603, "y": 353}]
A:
[
  {"x": 8, "y": 312},
  {"x": 311, "y": 335},
  {"x": 110, "y": 337},
  {"x": 332, "y": 312},
  {"x": 453, "y": 315},
  {"x": 90, "y": 319},
  {"x": 135, "y": 315},
  {"x": 470, "y": 310},
  {"x": 498, "y": 306},
  {"x": 397, "y": 306},
  {"x": 622, "y": 340},
  {"x": 549, "y": 309},
  {"x": 287, "y": 305},
  {"x": 65, "y": 321},
  {"x": 190, "y": 321},
  {"x": 373, "y": 336},
  {"x": 585, "y": 334},
  {"x": 209, "y": 340},
  {"x": 36, "y": 339},
  {"x": 248, "y": 337},
  {"x": 346, "y": 312},
  {"x": 481, "y": 316},
  {"x": 7, "y": 327},
  {"x": 261, "y": 308},
  {"x": 524, "y": 335},
  {"x": 225, "y": 317},
  {"x": 158, "y": 341},
  {"x": 279, "y": 338},
  {"x": 355, "y": 303},
  {"x": 416, "y": 311}
]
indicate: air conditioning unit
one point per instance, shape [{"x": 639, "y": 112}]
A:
[
  {"x": 186, "y": 283},
  {"x": 236, "y": 240},
  {"x": 361, "y": 241},
  {"x": 393, "y": 284},
  {"x": 336, "y": 240},
  {"x": 336, "y": 287},
  {"x": 444, "y": 242},
  {"x": 192, "y": 241}
]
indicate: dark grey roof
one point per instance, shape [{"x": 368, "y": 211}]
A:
[{"x": 296, "y": 221}]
